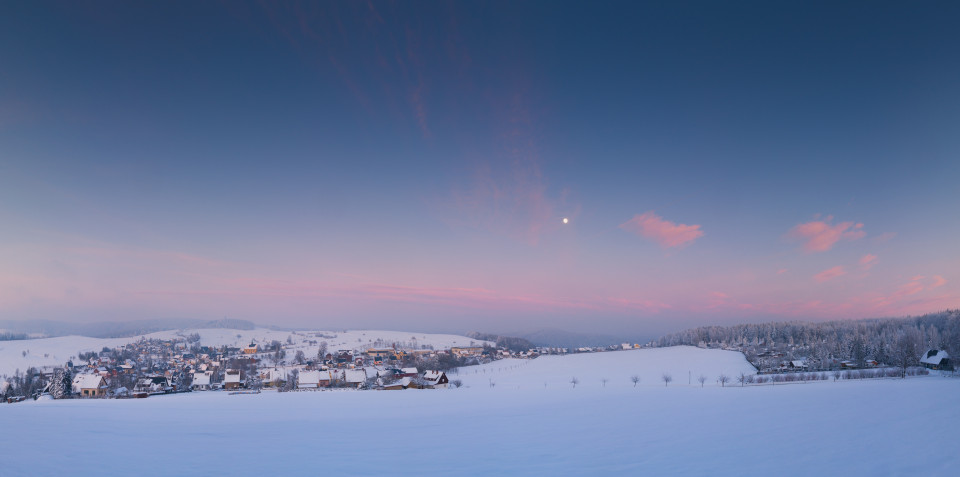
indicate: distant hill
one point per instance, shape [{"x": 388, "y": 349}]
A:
[
  {"x": 509, "y": 342},
  {"x": 569, "y": 339},
  {"x": 116, "y": 329}
]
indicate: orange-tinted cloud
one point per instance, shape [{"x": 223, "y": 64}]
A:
[
  {"x": 668, "y": 234},
  {"x": 821, "y": 235},
  {"x": 830, "y": 274}
]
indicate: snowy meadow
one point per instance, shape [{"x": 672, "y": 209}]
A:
[{"x": 533, "y": 421}]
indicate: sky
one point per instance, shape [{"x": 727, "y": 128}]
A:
[{"x": 408, "y": 165}]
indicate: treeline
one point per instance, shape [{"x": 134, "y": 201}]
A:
[
  {"x": 508, "y": 342},
  {"x": 889, "y": 341},
  {"x": 11, "y": 336}
]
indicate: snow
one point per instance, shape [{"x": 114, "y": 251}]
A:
[
  {"x": 683, "y": 363},
  {"x": 51, "y": 352},
  {"x": 518, "y": 427}
]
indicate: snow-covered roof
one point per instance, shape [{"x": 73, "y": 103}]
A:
[
  {"x": 87, "y": 381},
  {"x": 409, "y": 370},
  {"x": 934, "y": 356},
  {"x": 232, "y": 378},
  {"x": 355, "y": 375},
  {"x": 432, "y": 375},
  {"x": 308, "y": 377},
  {"x": 201, "y": 379}
]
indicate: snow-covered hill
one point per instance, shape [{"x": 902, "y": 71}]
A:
[
  {"x": 45, "y": 352},
  {"x": 683, "y": 363}
]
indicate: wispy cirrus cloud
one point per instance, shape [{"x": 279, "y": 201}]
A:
[
  {"x": 668, "y": 234},
  {"x": 867, "y": 262},
  {"x": 822, "y": 235},
  {"x": 830, "y": 274}
]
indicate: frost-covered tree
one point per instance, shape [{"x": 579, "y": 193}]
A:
[
  {"x": 666, "y": 378},
  {"x": 724, "y": 379},
  {"x": 61, "y": 384},
  {"x": 702, "y": 380},
  {"x": 635, "y": 379},
  {"x": 574, "y": 381}
]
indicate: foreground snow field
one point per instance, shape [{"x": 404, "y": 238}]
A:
[{"x": 871, "y": 427}]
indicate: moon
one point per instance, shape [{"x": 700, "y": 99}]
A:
[{"x": 566, "y": 220}]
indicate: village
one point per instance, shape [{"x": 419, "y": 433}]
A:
[{"x": 303, "y": 362}]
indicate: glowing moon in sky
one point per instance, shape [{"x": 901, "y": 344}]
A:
[{"x": 566, "y": 220}]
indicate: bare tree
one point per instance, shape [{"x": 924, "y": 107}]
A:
[
  {"x": 604, "y": 380},
  {"x": 666, "y": 379},
  {"x": 300, "y": 357},
  {"x": 906, "y": 351},
  {"x": 456, "y": 383},
  {"x": 574, "y": 381},
  {"x": 724, "y": 379},
  {"x": 702, "y": 380},
  {"x": 635, "y": 379},
  {"x": 742, "y": 379}
]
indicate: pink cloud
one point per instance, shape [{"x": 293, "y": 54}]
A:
[
  {"x": 938, "y": 281},
  {"x": 868, "y": 261},
  {"x": 781, "y": 271},
  {"x": 666, "y": 233},
  {"x": 885, "y": 237},
  {"x": 821, "y": 235},
  {"x": 830, "y": 274}
]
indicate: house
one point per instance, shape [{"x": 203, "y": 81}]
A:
[
  {"x": 407, "y": 373},
  {"x": 152, "y": 384},
  {"x": 231, "y": 379},
  {"x": 354, "y": 377},
  {"x": 309, "y": 379},
  {"x": 435, "y": 380},
  {"x": 252, "y": 349},
  {"x": 797, "y": 365},
  {"x": 201, "y": 382},
  {"x": 936, "y": 359},
  {"x": 89, "y": 385},
  {"x": 467, "y": 352}
]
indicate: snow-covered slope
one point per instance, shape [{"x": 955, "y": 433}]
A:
[
  {"x": 850, "y": 428},
  {"x": 22, "y": 354},
  {"x": 683, "y": 363}
]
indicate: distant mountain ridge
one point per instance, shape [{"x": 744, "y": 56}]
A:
[{"x": 117, "y": 329}]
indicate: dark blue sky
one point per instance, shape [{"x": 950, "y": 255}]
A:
[{"x": 404, "y": 164}]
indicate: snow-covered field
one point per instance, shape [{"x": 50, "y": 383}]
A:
[
  {"x": 22, "y": 354},
  {"x": 861, "y": 427},
  {"x": 683, "y": 363}
]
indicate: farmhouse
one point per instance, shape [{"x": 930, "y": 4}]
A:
[
  {"x": 936, "y": 359},
  {"x": 310, "y": 379},
  {"x": 89, "y": 385},
  {"x": 435, "y": 380},
  {"x": 231, "y": 380}
]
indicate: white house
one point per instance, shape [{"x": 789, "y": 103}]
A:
[
  {"x": 201, "y": 382},
  {"x": 309, "y": 379}
]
